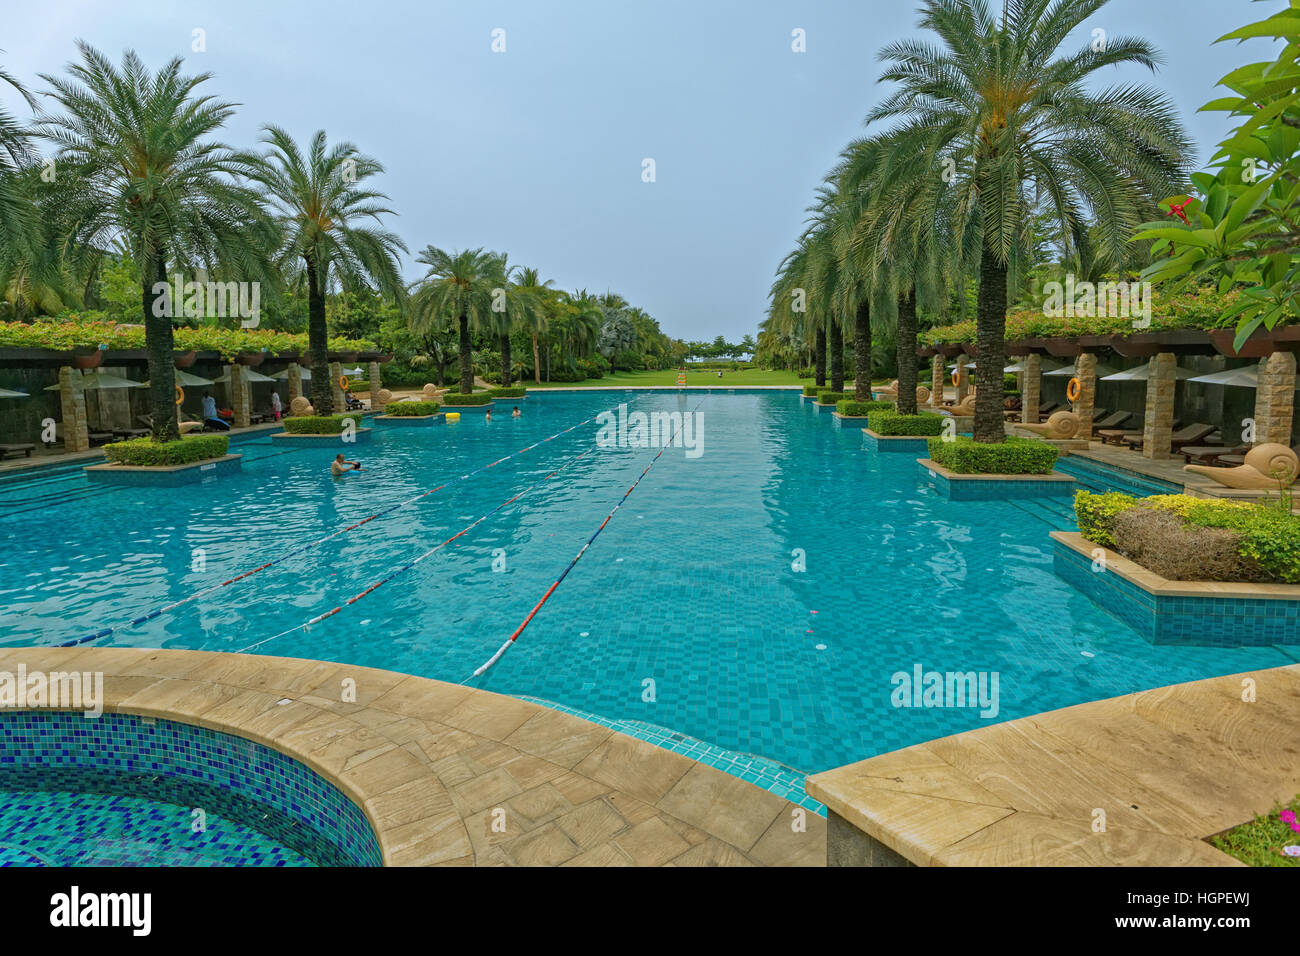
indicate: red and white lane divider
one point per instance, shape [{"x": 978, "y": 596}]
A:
[
  {"x": 413, "y": 562},
  {"x": 576, "y": 558},
  {"x": 105, "y": 632}
]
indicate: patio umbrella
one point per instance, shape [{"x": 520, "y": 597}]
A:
[
  {"x": 354, "y": 372},
  {"x": 1070, "y": 371},
  {"x": 1246, "y": 377},
  {"x": 250, "y": 375},
  {"x": 1141, "y": 373},
  {"x": 283, "y": 374},
  {"x": 100, "y": 379},
  {"x": 1020, "y": 367},
  {"x": 189, "y": 380},
  {"x": 9, "y": 393}
]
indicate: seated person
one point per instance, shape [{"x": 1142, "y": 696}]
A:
[
  {"x": 210, "y": 417},
  {"x": 338, "y": 466},
  {"x": 351, "y": 402}
]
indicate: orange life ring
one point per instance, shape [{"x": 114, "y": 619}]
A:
[
  {"x": 1074, "y": 389},
  {"x": 956, "y": 375},
  {"x": 343, "y": 382},
  {"x": 180, "y": 394}
]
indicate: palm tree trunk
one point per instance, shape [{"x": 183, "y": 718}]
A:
[
  {"x": 505, "y": 360},
  {"x": 819, "y": 356},
  {"x": 158, "y": 349},
  {"x": 862, "y": 353},
  {"x": 907, "y": 354},
  {"x": 837, "y": 357},
  {"x": 537, "y": 363},
  {"x": 466, "y": 359},
  {"x": 990, "y": 341},
  {"x": 318, "y": 346}
]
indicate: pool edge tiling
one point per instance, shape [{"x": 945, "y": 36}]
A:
[{"x": 434, "y": 765}]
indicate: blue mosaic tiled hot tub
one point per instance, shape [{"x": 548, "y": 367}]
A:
[{"x": 123, "y": 790}]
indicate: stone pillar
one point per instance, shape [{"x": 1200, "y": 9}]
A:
[
  {"x": 375, "y": 385},
  {"x": 1031, "y": 393},
  {"x": 295, "y": 383},
  {"x": 76, "y": 431},
  {"x": 239, "y": 395},
  {"x": 1275, "y": 399},
  {"x": 336, "y": 373},
  {"x": 963, "y": 377},
  {"x": 1086, "y": 372},
  {"x": 1158, "y": 428},
  {"x": 936, "y": 380}
]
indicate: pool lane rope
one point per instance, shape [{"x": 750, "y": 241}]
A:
[
  {"x": 483, "y": 668},
  {"x": 416, "y": 560},
  {"x": 158, "y": 612}
]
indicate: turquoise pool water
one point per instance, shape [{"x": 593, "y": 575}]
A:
[{"x": 686, "y": 613}]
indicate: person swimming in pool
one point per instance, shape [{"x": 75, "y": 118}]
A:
[
  {"x": 339, "y": 465},
  {"x": 516, "y": 413},
  {"x": 488, "y": 417}
]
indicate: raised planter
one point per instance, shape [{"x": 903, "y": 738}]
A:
[
  {"x": 1218, "y": 614},
  {"x": 184, "y": 359},
  {"x": 910, "y": 444},
  {"x": 360, "y": 436},
  {"x": 1259, "y": 345},
  {"x": 164, "y": 475},
  {"x": 88, "y": 360},
  {"x": 849, "y": 421},
  {"x": 948, "y": 350},
  {"x": 957, "y": 487},
  {"x": 250, "y": 359},
  {"x": 1063, "y": 347}
]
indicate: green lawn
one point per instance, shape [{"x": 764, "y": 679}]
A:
[
  {"x": 693, "y": 377},
  {"x": 1260, "y": 842}
]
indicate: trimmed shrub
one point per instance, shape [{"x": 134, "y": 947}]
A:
[
  {"x": 410, "y": 409},
  {"x": 1162, "y": 542},
  {"x": 891, "y": 423},
  {"x": 318, "y": 424},
  {"x": 147, "y": 452},
  {"x": 1016, "y": 456},
  {"x": 511, "y": 392},
  {"x": 827, "y": 397},
  {"x": 854, "y": 409},
  {"x": 1266, "y": 538},
  {"x": 454, "y": 398},
  {"x": 811, "y": 390}
]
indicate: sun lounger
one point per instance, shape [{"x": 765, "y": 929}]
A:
[
  {"x": 1115, "y": 421},
  {"x": 1210, "y": 454},
  {"x": 1184, "y": 436},
  {"x": 130, "y": 432},
  {"x": 16, "y": 449}
]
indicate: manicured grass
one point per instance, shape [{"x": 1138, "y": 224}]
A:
[
  {"x": 693, "y": 377},
  {"x": 1260, "y": 842}
]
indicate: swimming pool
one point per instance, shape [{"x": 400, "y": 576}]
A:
[{"x": 687, "y": 613}]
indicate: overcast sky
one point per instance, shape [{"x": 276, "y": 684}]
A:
[{"x": 539, "y": 150}]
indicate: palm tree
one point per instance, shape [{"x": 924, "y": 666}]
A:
[
  {"x": 15, "y": 210},
  {"x": 529, "y": 281},
  {"x": 458, "y": 286},
  {"x": 992, "y": 119},
  {"x": 134, "y": 148},
  {"x": 322, "y": 209}
]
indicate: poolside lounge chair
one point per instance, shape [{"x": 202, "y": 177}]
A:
[
  {"x": 1113, "y": 421},
  {"x": 1190, "y": 435},
  {"x": 21, "y": 448},
  {"x": 1045, "y": 411},
  {"x": 1212, "y": 454}
]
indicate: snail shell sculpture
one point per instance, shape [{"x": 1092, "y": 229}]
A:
[
  {"x": 300, "y": 406},
  {"x": 1058, "y": 427},
  {"x": 430, "y": 391},
  {"x": 889, "y": 391},
  {"x": 1267, "y": 468},
  {"x": 967, "y": 405},
  {"x": 384, "y": 396},
  {"x": 922, "y": 395}
]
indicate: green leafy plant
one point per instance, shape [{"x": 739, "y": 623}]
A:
[
  {"x": 828, "y": 397},
  {"x": 318, "y": 424},
  {"x": 481, "y": 398},
  {"x": 810, "y": 390},
  {"x": 508, "y": 392},
  {"x": 145, "y": 452},
  {"x": 412, "y": 409},
  {"x": 850, "y": 408},
  {"x": 1016, "y": 456},
  {"x": 892, "y": 424}
]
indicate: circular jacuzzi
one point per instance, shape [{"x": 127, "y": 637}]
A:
[{"x": 125, "y": 790}]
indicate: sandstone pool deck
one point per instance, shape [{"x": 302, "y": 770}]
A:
[
  {"x": 434, "y": 765},
  {"x": 1167, "y": 767}
]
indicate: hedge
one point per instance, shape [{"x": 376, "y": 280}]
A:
[
  {"x": 891, "y": 423},
  {"x": 811, "y": 390},
  {"x": 406, "y": 409},
  {"x": 1269, "y": 536},
  {"x": 318, "y": 424},
  {"x": 185, "y": 451},
  {"x": 854, "y": 409},
  {"x": 826, "y": 397},
  {"x": 455, "y": 398},
  {"x": 1016, "y": 456},
  {"x": 512, "y": 392}
]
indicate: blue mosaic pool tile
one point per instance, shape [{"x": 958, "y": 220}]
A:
[
  {"x": 916, "y": 447},
  {"x": 161, "y": 763}
]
